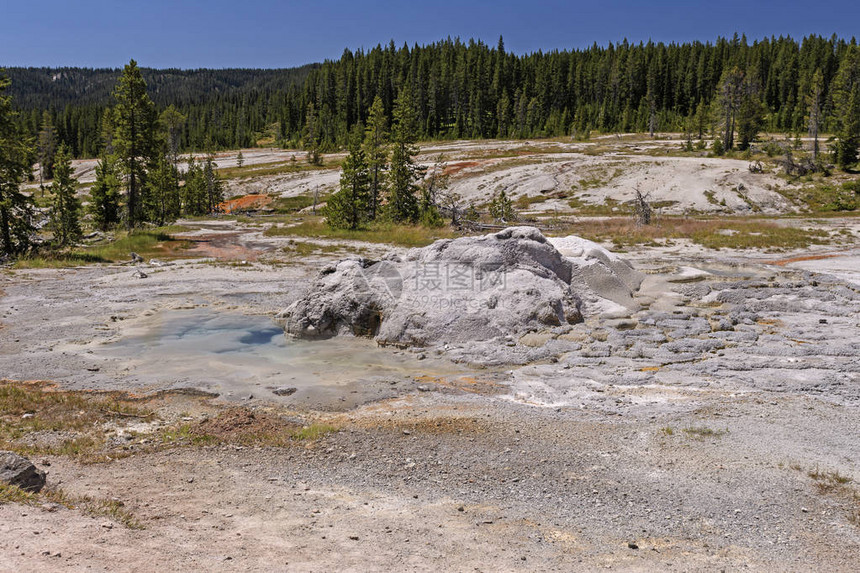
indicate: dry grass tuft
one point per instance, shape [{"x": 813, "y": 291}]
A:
[{"x": 94, "y": 506}]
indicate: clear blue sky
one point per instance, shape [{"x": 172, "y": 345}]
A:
[{"x": 272, "y": 34}]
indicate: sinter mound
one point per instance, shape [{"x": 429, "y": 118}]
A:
[{"x": 493, "y": 288}]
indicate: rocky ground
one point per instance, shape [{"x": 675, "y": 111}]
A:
[
  {"x": 553, "y": 177},
  {"x": 700, "y": 430}
]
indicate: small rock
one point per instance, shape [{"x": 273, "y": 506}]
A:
[
  {"x": 19, "y": 471},
  {"x": 139, "y": 274},
  {"x": 423, "y": 388},
  {"x": 27, "y": 416},
  {"x": 804, "y": 510},
  {"x": 354, "y": 537},
  {"x": 107, "y": 525},
  {"x": 632, "y": 545},
  {"x": 284, "y": 391}
]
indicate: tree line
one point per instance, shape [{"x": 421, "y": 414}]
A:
[
  {"x": 138, "y": 179},
  {"x": 473, "y": 90}
]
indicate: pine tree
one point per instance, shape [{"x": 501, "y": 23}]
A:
[
  {"x": 403, "y": 173},
  {"x": 214, "y": 187},
  {"x": 66, "y": 208},
  {"x": 432, "y": 192},
  {"x": 701, "y": 119},
  {"x": 134, "y": 137},
  {"x": 312, "y": 136},
  {"x": 16, "y": 154},
  {"x": 240, "y": 159},
  {"x": 376, "y": 153},
  {"x": 348, "y": 208},
  {"x": 172, "y": 124},
  {"x": 502, "y": 208},
  {"x": 163, "y": 201},
  {"x": 846, "y": 98},
  {"x": 729, "y": 98},
  {"x": 104, "y": 205},
  {"x": 717, "y": 147},
  {"x": 107, "y": 131},
  {"x": 194, "y": 200},
  {"x": 814, "y": 105},
  {"x": 750, "y": 112},
  {"x": 47, "y": 148}
]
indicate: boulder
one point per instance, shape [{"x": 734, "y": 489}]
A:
[
  {"x": 19, "y": 471},
  {"x": 469, "y": 290}
]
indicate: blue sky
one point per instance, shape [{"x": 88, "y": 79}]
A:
[{"x": 271, "y": 34}]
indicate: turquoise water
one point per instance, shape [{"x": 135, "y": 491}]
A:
[{"x": 234, "y": 352}]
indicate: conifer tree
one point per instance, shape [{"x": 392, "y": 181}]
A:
[
  {"x": 107, "y": 130},
  {"x": 432, "y": 193},
  {"x": 172, "y": 124},
  {"x": 104, "y": 205},
  {"x": 403, "y": 173},
  {"x": 376, "y": 153},
  {"x": 750, "y": 112},
  {"x": 502, "y": 208},
  {"x": 194, "y": 200},
  {"x": 348, "y": 208},
  {"x": 312, "y": 136},
  {"x": 814, "y": 105},
  {"x": 16, "y": 154},
  {"x": 729, "y": 98},
  {"x": 66, "y": 208},
  {"x": 47, "y": 148},
  {"x": 846, "y": 98},
  {"x": 134, "y": 137},
  {"x": 163, "y": 201},
  {"x": 700, "y": 121},
  {"x": 213, "y": 185}
]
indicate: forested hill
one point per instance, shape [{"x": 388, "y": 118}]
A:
[
  {"x": 44, "y": 88},
  {"x": 77, "y": 98},
  {"x": 473, "y": 90}
]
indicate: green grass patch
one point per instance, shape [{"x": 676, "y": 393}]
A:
[
  {"x": 313, "y": 432},
  {"x": 390, "y": 233},
  {"x": 757, "y": 235},
  {"x": 150, "y": 243},
  {"x": 608, "y": 207},
  {"x": 525, "y": 202},
  {"x": 276, "y": 168},
  {"x": 304, "y": 248},
  {"x": 293, "y": 204},
  {"x": 711, "y": 233},
  {"x": 822, "y": 197}
]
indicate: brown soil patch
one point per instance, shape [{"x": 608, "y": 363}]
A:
[
  {"x": 242, "y": 425},
  {"x": 783, "y": 262},
  {"x": 464, "y": 383},
  {"x": 454, "y": 168},
  {"x": 244, "y": 203},
  {"x": 222, "y": 246}
]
